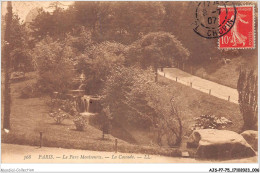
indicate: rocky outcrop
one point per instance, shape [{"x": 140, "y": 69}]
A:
[
  {"x": 219, "y": 144},
  {"x": 251, "y": 137}
]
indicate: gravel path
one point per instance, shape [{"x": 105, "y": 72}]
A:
[
  {"x": 203, "y": 85},
  {"x": 12, "y": 153}
]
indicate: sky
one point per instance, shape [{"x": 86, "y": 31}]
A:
[{"x": 22, "y": 8}]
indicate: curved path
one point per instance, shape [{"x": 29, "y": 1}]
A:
[{"x": 203, "y": 85}]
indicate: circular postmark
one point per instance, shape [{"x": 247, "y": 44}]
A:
[{"x": 214, "y": 19}]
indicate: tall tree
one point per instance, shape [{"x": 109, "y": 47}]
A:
[
  {"x": 20, "y": 48},
  {"x": 157, "y": 49},
  {"x": 131, "y": 20},
  {"x": 7, "y": 49},
  {"x": 54, "y": 24},
  {"x": 87, "y": 13}
]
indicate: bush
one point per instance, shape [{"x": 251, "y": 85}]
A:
[
  {"x": 210, "y": 122},
  {"x": 59, "y": 116},
  {"x": 98, "y": 62},
  {"x": 54, "y": 63},
  {"x": 80, "y": 122},
  {"x": 134, "y": 98},
  {"x": 156, "y": 49},
  {"x": 61, "y": 109}
]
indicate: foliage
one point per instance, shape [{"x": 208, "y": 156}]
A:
[
  {"x": 133, "y": 97},
  {"x": 87, "y": 11},
  {"x": 59, "y": 116},
  {"x": 66, "y": 105},
  {"x": 98, "y": 62},
  {"x": 118, "y": 86},
  {"x": 157, "y": 49},
  {"x": 80, "y": 122},
  {"x": 80, "y": 40},
  {"x": 105, "y": 120},
  {"x": 60, "y": 109},
  {"x": 247, "y": 87},
  {"x": 55, "y": 24},
  {"x": 19, "y": 42},
  {"x": 53, "y": 61},
  {"x": 122, "y": 22},
  {"x": 210, "y": 122},
  {"x": 126, "y": 22}
]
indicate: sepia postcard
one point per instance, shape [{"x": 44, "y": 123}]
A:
[{"x": 129, "y": 82}]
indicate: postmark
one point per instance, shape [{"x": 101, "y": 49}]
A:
[
  {"x": 207, "y": 21},
  {"x": 242, "y": 35}
]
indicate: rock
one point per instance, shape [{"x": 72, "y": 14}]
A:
[
  {"x": 219, "y": 144},
  {"x": 251, "y": 137}
]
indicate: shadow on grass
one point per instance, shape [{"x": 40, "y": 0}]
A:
[
  {"x": 120, "y": 132},
  {"x": 55, "y": 124},
  {"x": 104, "y": 139}
]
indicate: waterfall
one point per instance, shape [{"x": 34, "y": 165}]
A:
[
  {"x": 85, "y": 103},
  {"x": 87, "y": 106}
]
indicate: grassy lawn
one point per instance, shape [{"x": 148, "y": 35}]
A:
[
  {"x": 226, "y": 74},
  {"x": 30, "y": 116},
  {"x": 193, "y": 103}
]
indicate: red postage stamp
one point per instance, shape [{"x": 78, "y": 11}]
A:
[{"x": 242, "y": 33}]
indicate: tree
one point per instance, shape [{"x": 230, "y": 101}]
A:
[
  {"x": 54, "y": 24},
  {"x": 175, "y": 128},
  {"x": 135, "y": 98},
  {"x": 123, "y": 22},
  {"x": 42, "y": 25},
  {"x": 98, "y": 62},
  {"x": 54, "y": 63},
  {"x": 87, "y": 13},
  {"x": 131, "y": 20},
  {"x": 80, "y": 40},
  {"x": 20, "y": 53},
  {"x": 123, "y": 94},
  {"x": 247, "y": 87},
  {"x": 158, "y": 49},
  {"x": 7, "y": 48}
]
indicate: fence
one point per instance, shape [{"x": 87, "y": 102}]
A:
[{"x": 191, "y": 69}]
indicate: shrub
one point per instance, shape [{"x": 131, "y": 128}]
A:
[
  {"x": 98, "y": 62},
  {"x": 80, "y": 122},
  {"x": 54, "y": 63},
  {"x": 59, "y": 116},
  {"x": 134, "y": 98},
  {"x": 67, "y": 106},
  {"x": 61, "y": 109},
  {"x": 156, "y": 49},
  {"x": 210, "y": 122}
]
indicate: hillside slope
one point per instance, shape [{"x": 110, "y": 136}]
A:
[{"x": 226, "y": 74}]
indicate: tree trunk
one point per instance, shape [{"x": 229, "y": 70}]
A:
[{"x": 7, "y": 70}]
